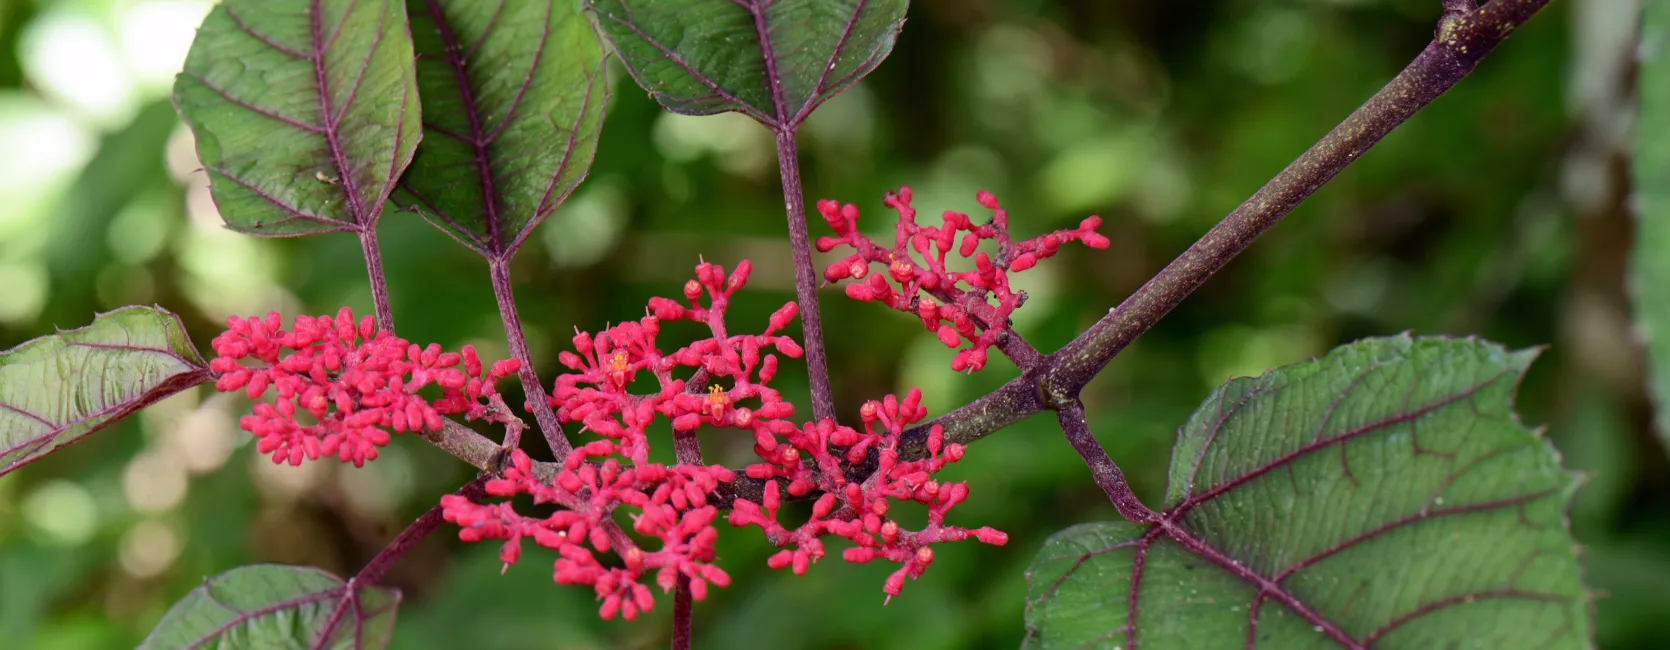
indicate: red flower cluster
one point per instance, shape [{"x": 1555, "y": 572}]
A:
[
  {"x": 675, "y": 510},
  {"x": 673, "y": 501},
  {"x": 354, "y": 381},
  {"x": 954, "y": 312},
  {"x": 728, "y": 388},
  {"x": 596, "y": 394},
  {"x": 862, "y": 519}
]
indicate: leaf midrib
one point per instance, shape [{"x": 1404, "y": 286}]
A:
[
  {"x": 178, "y": 381},
  {"x": 331, "y": 121},
  {"x": 479, "y": 141}
]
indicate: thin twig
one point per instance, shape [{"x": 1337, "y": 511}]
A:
[
  {"x": 409, "y": 538},
  {"x": 688, "y": 449},
  {"x": 1463, "y": 39},
  {"x": 547, "y": 420},
  {"x": 379, "y": 283},
  {"x": 1102, "y": 468},
  {"x": 805, "y": 277},
  {"x": 681, "y": 615},
  {"x": 379, "y": 565}
]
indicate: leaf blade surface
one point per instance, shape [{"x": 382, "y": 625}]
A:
[
  {"x": 305, "y": 111},
  {"x": 1384, "y": 496},
  {"x": 55, "y": 390},
  {"x": 515, "y": 92}
]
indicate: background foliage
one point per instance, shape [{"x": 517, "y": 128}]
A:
[{"x": 1499, "y": 211}]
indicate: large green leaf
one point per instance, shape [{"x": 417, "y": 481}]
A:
[
  {"x": 514, "y": 93},
  {"x": 1650, "y": 263},
  {"x": 278, "y": 607},
  {"x": 305, "y": 111},
  {"x": 1383, "y": 496},
  {"x": 774, "y": 60},
  {"x": 56, "y": 389}
]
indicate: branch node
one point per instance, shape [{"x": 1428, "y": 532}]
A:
[
  {"x": 1452, "y": 20},
  {"x": 1054, "y": 393}
]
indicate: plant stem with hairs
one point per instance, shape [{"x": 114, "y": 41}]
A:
[
  {"x": 805, "y": 277},
  {"x": 518, "y": 342},
  {"x": 374, "y": 272}
]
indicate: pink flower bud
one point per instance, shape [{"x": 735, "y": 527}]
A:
[{"x": 990, "y": 536}]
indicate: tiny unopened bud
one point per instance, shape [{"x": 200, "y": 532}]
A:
[
  {"x": 991, "y": 536},
  {"x": 948, "y": 335},
  {"x": 860, "y": 292}
]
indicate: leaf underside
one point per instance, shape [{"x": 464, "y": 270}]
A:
[
  {"x": 1384, "y": 496},
  {"x": 56, "y": 389},
  {"x": 774, "y": 60},
  {"x": 305, "y": 112},
  {"x": 1650, "y": 169},
  {"x": 514, "y": 92},
  {"x": 280, "y": 607}
]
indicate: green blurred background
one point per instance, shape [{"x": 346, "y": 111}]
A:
[{"x": 1498, "y": 212}]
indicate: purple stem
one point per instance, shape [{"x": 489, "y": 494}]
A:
[
  {"x": 409, "y": 538},
  {"x": 681, "y": 615},
  {"x": 535, "y": 391},
  {"x": 379, "y": 565},
  {"x": 1102, "y": 468},
  {"x": 1463, "y": 39},
  {"x": 688, "y": 449},
  {"x": 379, "y": 284},
  {"x": 805, "y": 277}
]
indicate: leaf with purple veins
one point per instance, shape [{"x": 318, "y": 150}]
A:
[
  {"x": 514, "y": 92},
  {"x": 274, "y": 606},
  {"x": 774, "y": 60},
  {"x": 1385, "y": 495},
  {"x": 305, "y": 111},
  {"x": 56, "y": 389}
]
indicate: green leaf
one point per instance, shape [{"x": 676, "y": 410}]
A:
[
  {"x": 1649, "y": 274},
  {"x": 274, "y": 606},
  {"x": 1385, "y": 496},
  {"x": 774, "y": 60},
  {"x": 515, "y": 93},
  {"x": 56, "y": 389},
  {"x": 305, "y": 112}
]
